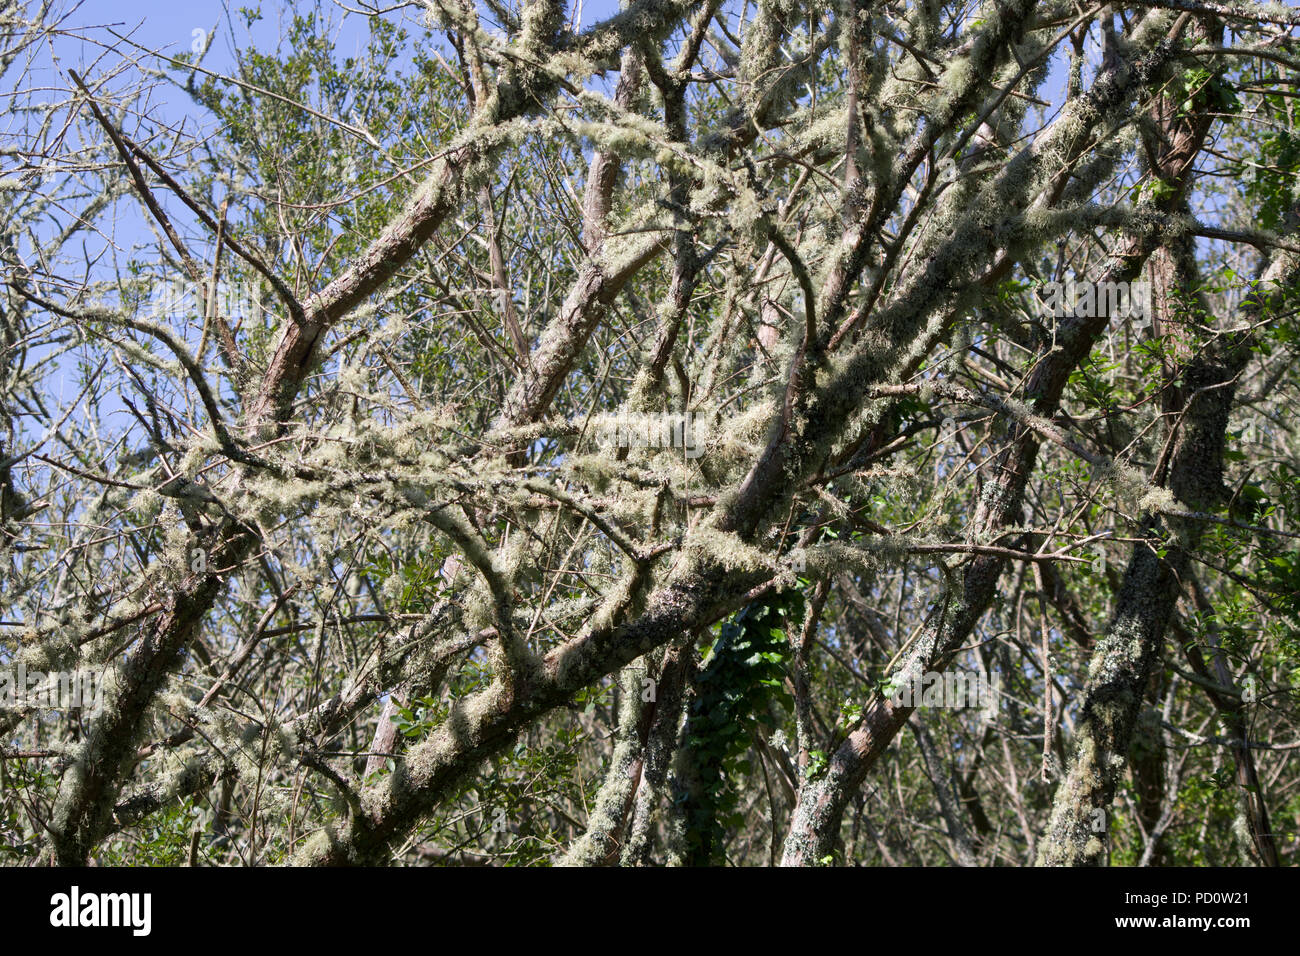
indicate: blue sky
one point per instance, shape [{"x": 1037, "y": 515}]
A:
[
  {"x": 168, "y": 27},
  {"x": 90, "y": 44}
]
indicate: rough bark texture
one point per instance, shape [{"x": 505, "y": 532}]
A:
[{"x": 1122, "y": 664}]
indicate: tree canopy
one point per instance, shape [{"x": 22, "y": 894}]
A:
[{"x": 692, "y": 432}]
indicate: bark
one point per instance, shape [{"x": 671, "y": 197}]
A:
[
  {"x": 1232, "y": 709},
  {"x": 1121, "y": 667},
  {"x": 660, "y": 743},
  {"x": 606, "y": 824},
  {"x": 945, "y": 792},
  {"x": 84, "y": 806},
  {"x": 821, "y": 804}
]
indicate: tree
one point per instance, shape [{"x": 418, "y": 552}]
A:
[{"x": 528, "y": 441}]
